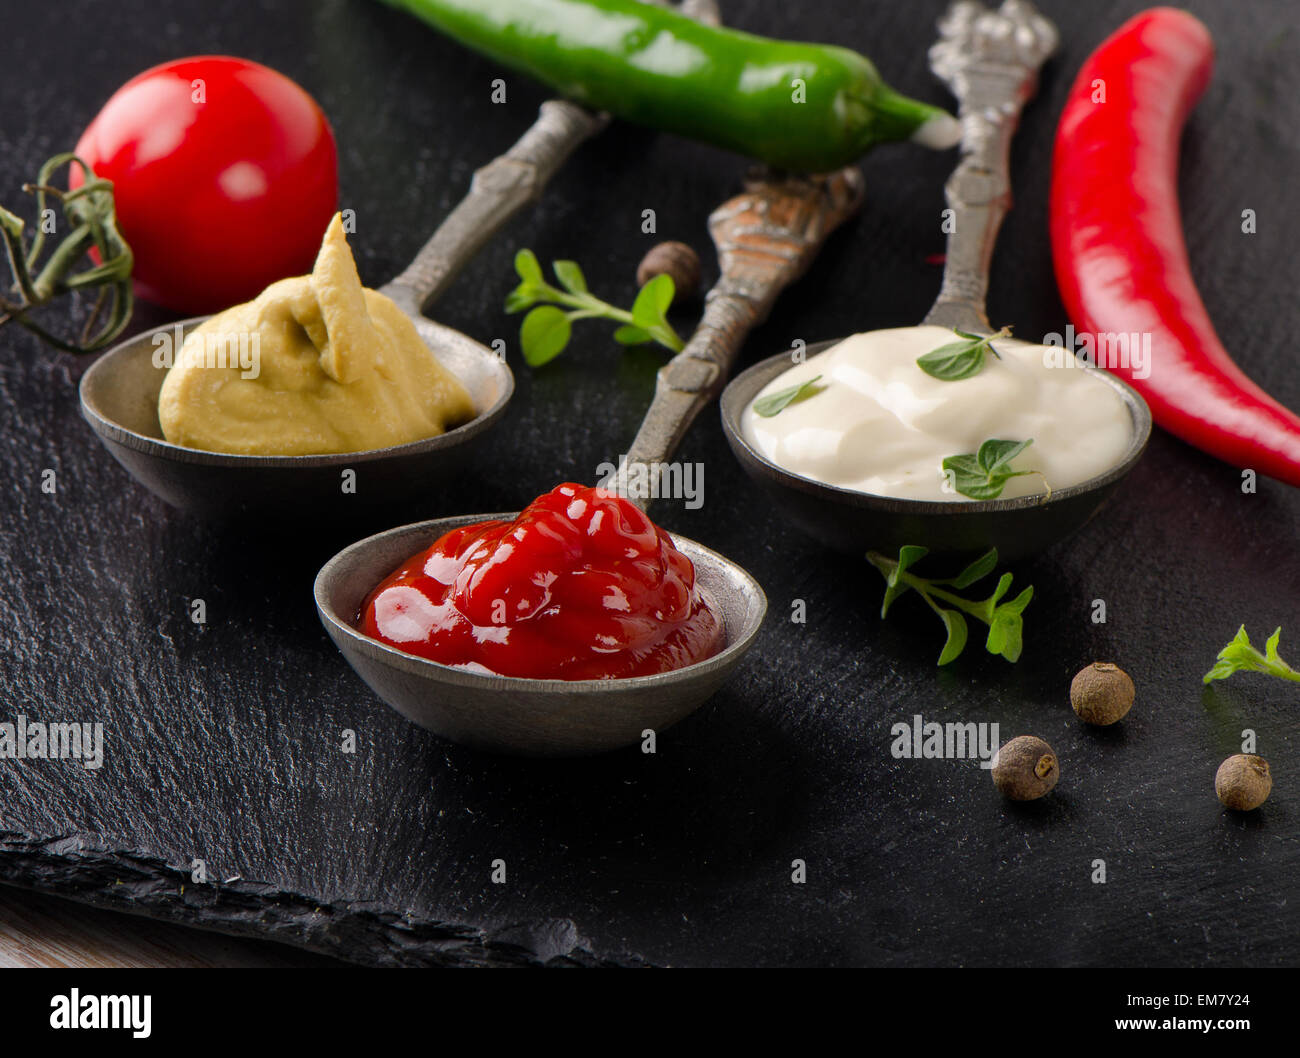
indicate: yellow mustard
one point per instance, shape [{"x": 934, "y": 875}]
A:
[{"x": 314, "y": 365}]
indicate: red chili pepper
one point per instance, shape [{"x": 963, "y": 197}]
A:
[{"x": 1117, "y": 240}]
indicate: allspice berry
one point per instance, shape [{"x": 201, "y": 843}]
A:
[
  {"x": 1102, "y": 693},
  {"x": 674, "y": 259},
  {"x": 1243, "y": 782},
  {"x": 1025, "y": 768}
]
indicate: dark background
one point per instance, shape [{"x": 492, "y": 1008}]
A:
[{"x": 222, "y": 741}]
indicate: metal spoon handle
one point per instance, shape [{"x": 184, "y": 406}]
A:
[
  {"x": 990, "y": 60},
  {"x": 498, "y": 191},
  {"x": 502, "y": 187},
  {"x": 766, "y": 238}
]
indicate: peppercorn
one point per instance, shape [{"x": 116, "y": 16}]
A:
[
  {"x": 1025, "y": 768},
  {"x": 1102, "y": 693},
  {"x": 675, "y": 260},
  {"x": 1243, "y": 782}
]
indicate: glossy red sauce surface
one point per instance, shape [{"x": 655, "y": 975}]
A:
[{"x": 582, "y": 585}]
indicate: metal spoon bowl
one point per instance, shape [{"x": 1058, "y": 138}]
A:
[
  {"x": 856, "y": 522},
  {"x": 119, "y": 399},
  {"x": 518, "y": 716}
]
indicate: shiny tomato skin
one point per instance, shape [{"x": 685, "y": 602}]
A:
[{"x": 225, "y": 174}]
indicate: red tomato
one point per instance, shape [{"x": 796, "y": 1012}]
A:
[{"x": 225, "y": 175}]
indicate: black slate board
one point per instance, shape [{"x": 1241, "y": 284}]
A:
[{"x": 222, "y": 741}]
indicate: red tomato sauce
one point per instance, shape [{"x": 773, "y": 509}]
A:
[{"x": 581, "y": 586}]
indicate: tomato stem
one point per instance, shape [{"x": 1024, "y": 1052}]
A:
[{"x": 91, "y": 219}]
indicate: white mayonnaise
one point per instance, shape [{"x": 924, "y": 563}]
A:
[{"x": 877, "y": 423}]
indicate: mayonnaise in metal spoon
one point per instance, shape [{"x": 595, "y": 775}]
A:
[{"x": 990, "y": 59}]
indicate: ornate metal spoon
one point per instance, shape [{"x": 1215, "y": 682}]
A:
[
  {"x": 990, "y": 59},
  {"x": 766, "y": 238}
]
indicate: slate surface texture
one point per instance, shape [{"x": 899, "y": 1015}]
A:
[{"x": 223, "y": 740}]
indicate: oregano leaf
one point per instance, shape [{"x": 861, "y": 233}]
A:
[
  {"x": 977, "y": 570},
  {"x": 544, "y": 334},
  {"x": 894, "y": 585},
  {"x": 1006, "y": 635},
  {"x": 522, "y": 297},
  {"x": 570, "y": 276},
  {"x": 982, "y": 475},
  {"x": 775, "y": 403},
  {"x": 651, "y": 305},
  {"x": 958, "y": 360},
  {"x": 994, "y": 455},
  {"x": 629, "y": 335},
  {"x": 957, "y": 634},
  {"x": 529, "y": 268}
]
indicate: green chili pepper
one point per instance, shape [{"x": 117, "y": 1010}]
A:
[{"x": 809, "y": 107}]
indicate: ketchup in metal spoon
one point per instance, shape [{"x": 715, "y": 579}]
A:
[{"x": 582, "y": 585}]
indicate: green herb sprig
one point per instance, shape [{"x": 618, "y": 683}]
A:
[
  {"x": 1006, "y": 626},
  {"x": 1241, "y": 656},
  {"x": 958, "y": 360},
  {"x": 547, "y": 328},
  {"x": 984, "y": 474},
  {"x": 775, "y": 403}
]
